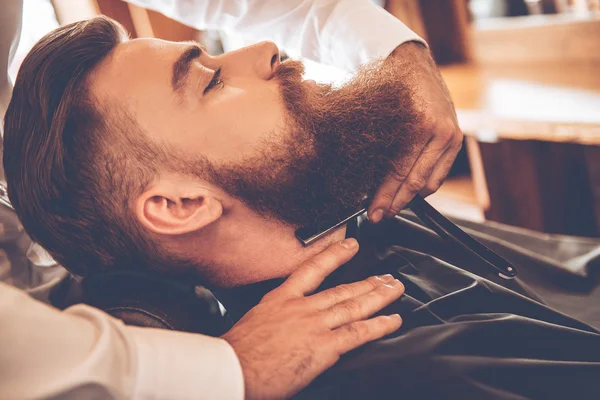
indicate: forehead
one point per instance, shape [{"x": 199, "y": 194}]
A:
[{"x": 136, "y": 67}]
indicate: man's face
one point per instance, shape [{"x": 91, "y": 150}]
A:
[{"x": 297, "y": 151}]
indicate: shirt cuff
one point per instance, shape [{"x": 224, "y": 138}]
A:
[
  {"x": 360, "y": 32},
  {"x": 179, "y": 365}
]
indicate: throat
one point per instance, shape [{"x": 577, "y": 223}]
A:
[{"x": 266, "y": 268}]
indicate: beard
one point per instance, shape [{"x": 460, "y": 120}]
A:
[{"x": 339, "y": 146}]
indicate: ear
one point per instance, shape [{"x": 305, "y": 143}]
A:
[{"x": 175, "y": 205}]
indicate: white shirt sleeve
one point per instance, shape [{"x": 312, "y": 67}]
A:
[
  {"x": 341, "y": 33},
  {"x": 84, "y": 353}
]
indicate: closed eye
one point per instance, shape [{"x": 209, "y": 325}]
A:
[{"x": 215, "y": 81}]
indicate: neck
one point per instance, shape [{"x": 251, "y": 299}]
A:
[
  {"x": 253, "y": 249},
  {"x": 239, "y": 300}
]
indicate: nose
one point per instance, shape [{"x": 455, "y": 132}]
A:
[
  {"x": 260, "y": 60},
  {"x": 275, "y": 58},
  {"x": 267, "y": 59}
]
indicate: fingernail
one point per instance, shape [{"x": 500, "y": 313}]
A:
[
  {"x": 386, "y": 277},
  {"x": 396, "y": 317},
  {"x": 349, "y": 243},
  {"x": 377, "y": 215},
  {"x": 397, "y": 283}
]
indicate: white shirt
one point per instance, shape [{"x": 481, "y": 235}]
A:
[
  {"x": 84, "y": 353},
  {"x": 340, "y": 33}
]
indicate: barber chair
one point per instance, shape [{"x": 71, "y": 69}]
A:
[{"x": 142, "y": 299}]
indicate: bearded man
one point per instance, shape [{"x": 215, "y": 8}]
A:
[{"x": 157, "y": 156}]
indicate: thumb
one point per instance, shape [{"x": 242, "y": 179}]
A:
[{"x": 311, "y": 273}]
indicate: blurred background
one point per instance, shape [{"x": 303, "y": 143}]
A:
[{"x": 525, "y": 79}]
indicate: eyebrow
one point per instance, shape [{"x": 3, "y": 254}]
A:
[{"x": 181, "y": 67}]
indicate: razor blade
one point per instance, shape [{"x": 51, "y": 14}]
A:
[{"x": 441, "y": 225}]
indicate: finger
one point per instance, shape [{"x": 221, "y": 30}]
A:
[
  {"x": 382, "y": 200},
  {"x": 441, "y": 170},
  {"x": 351, "y": 336},
  {"x": 363, "y": 306},
  {"x": 419, "y": 175},
  {"x": 338, "y": 294},
  {"x": 307, "y": 278}
]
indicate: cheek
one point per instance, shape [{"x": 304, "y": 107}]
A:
[{"x": 237, "y": 122}]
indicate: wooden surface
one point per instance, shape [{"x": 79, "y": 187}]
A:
[
  {"x": 537, "y": 39},
  {"x": 555, "y": 102},
  {"x": 531, "y": 78}
]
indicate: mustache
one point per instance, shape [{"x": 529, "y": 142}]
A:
[{"x": 289, "y": 71}]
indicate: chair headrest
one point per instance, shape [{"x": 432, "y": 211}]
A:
[{"x": 145, "y": 300}]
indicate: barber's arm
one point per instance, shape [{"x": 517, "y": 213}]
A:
[
  {"x": 346, "y": 34},
  {"x": 84, "y": 353},
  {"x": 341, "y": 33},
  {"x": 277, "y": 349}
]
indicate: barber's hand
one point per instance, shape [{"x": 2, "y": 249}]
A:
[
  {"x": 291, "y": 337},
  {"x": 425, "y": 169}
]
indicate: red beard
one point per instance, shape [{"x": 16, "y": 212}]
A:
[{"x": 340, "y": 145}]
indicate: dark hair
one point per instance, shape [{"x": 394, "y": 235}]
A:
[{"x": 72, "y": 164}]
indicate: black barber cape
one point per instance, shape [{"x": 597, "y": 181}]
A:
[{"x": 467, "y": 334}]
